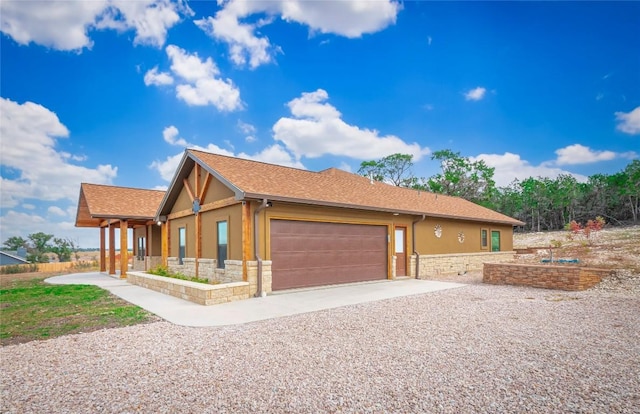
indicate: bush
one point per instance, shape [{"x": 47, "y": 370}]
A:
[{"x": 18, "y": 268}]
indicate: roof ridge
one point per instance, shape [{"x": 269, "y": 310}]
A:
[
  {"x": 252, "y": 160},
  {"x": 123, "y": 187}
]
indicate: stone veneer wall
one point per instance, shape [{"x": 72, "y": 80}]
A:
[
  {"x": 148, "y": 262},
  {"x": 252, "y": 276},
  {"x": 201, "y": 293},
  {"x": 565, "y": 277},
  {"x": 208, "y": 269},
  {"x": 438, "y": 264}
]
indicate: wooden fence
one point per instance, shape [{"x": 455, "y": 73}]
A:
[{"x": 50, "y": 267}]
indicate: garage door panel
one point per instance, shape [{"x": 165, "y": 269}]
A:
[{"x": 314, "y": 253}]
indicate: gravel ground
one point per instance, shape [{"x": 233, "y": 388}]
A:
[{"x": 479, "y": 348}]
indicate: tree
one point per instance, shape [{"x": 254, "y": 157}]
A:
[
  {"x": 15, "y": 243},
  {"x": 395, "y": 169},
  {"x": 63, "y": 248},
  {"x": 39, "y": 247},
  {"x": 461, "y": 177}
]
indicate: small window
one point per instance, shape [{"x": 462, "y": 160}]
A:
[
  {"x": 484, "y": 239},
  {"x": 222, "y": 243},
  {"x": 182, "y": 243},
  {"x": 141, "y": 248},
  {"x": 495, "y": 241}
]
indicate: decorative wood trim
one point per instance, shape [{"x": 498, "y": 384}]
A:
[
  {"x": 164, "y": 242},
  {"x": 124, "y": 249},
  {"x": 229, "y": 201},
  {"x": 188, "y": 188},
  {"x": 246, "y": 238},
  {"x": 205, "y": 187},
  {"x": 198, "y": 241}
]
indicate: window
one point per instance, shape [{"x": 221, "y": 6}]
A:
[
  {"x": 141, "y": 251},
  {"x": 182, "y": 243},
  {"x": 495, "y": 241},
  {"x": 484, "y": 239},
  {"x": 222, "y": 243}
]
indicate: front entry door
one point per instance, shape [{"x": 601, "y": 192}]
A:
[{"x": 400, "y": 251}]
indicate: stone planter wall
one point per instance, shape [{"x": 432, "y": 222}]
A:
[
  {"x": 200, "y": 293},
  {"x": 563, "y": 277}
]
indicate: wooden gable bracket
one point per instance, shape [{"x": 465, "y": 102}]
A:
[{"x": 197, "y": 197}]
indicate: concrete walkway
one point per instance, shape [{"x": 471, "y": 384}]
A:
[{"x": 182, "y": 312}]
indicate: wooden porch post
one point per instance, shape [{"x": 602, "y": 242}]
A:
[
  {"x": 164, "y": 241},
  {"x": 246, "y": 238},
  {"x": 112, "y": 249},
  {"x": 103, "y": 256},
  {"x": 124, "y": 249}
]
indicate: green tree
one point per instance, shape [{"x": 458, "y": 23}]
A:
[
  {"x": 63, "y": 248},
  {"x": 395, "y": 169},
  {"x": 471, "y": 180},
  {"x": 15, "y": 243},
  {"x": 39, "y": 247}
]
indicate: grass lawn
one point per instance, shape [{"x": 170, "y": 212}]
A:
[{"x": 32, "y": 310}]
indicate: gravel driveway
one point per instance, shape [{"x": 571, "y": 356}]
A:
[{"x": 478, "y": 348}]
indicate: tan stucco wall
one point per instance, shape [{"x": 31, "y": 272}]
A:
[
  {"x": 189, "y": 223},
  {"x": 233, "y": 216},
  {"x": 428, "y": 243}
]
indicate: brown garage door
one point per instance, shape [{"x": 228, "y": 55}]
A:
[{"x": 307, "y": 253}]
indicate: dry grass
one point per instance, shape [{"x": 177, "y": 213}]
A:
[{"x": 615, "y": 247}]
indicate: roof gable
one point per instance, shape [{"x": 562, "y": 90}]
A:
[{"x": 99, "y": 202}]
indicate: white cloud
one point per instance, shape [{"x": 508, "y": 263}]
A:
[
  {"x": 29, "y": 132},
  {"x": 28, "y": 206},
  {"x": 475, "y": 94},
  {"x": 56, "y": 211},
  {"x": 509, "y": 166},
  {"x": 153, "y": 77},
  {"x": 246, "y": 128},
  {"x": 629, "y": 122},
  {"x": 275, "y": 154},
  {"x": 316, "y": 129},
  {"x": 200, "y": 86},
  {"x": 579, "y": 154},
  {"x": 249, "y": 131},
  {"x": 170, "y": 134},
  {"x": 65, "y": 25},
  {"x": 351, "y": 19},
  {"x": 345, "y": 167}
]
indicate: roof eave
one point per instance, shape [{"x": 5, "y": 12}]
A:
[{"x": 258, "y": 196}]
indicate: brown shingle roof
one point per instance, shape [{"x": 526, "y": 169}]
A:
[
  {"x": 98, "y": 202},
  {"x": 338, "y": 188}
]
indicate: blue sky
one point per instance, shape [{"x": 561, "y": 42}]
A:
[{"x": 113, "y": 91}]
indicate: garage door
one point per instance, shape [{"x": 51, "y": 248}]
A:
[{"x": 307, "y": 253}]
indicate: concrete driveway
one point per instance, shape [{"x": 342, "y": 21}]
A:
[{"x": 182, "y": 312}]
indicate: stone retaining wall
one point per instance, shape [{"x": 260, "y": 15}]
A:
[
  {"x": 200, "y": 293},
  {"x": 565, "y": 277},
  {"x": 207, "y": 269},
  {"x": 439, "y": 264}
]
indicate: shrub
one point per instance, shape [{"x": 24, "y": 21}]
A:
[
  {"x": 18, "y": 268},
  {"x": 163, "y": 271},
  {"x": 587, "y": 231}
]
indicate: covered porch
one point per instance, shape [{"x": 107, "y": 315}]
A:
[{"x": 117, "y": 209}]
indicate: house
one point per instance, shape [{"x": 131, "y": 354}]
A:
[
  {"x": 13, "y": 257},
  {"x": 231, "y": 220},
  {"x": 112, "y": 208}
]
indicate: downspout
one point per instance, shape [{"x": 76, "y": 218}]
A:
[
  {"x": 265, "y": 204},
  {"x": 413, "y": 240}
]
